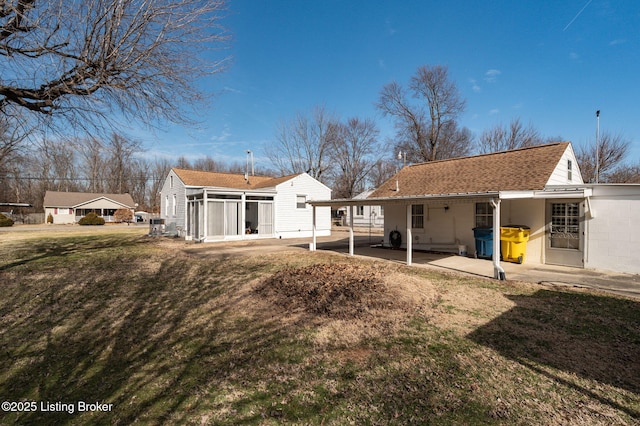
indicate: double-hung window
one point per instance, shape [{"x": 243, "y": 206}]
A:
[
  {"x": 301, "y": 201},
  {"x": 417, "y": 216}
]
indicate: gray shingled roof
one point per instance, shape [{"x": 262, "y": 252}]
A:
[{"x": 73, "y": 199}]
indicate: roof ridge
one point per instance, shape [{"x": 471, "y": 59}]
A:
[
  {"x": 220, "y": 173},
  {"x": 487, "y": 154}
]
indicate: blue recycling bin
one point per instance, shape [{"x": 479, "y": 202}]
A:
[{"x": 484, "y": 242}]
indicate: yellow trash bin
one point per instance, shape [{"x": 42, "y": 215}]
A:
[{"x": 513, "y": 242}]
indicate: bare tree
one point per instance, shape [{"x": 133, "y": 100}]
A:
[
  {"x": 626, "y": 173},
  {"x": 119, "y": 162},
  {"x": 303, "y": 144},
  {"x": 82, "y": 60},
  {"x": 382, "y": 171},
  {"x": 505, "y": 138},
  {"x": 354, "y": 153},
  {"x": 92, "y": 158},
  {"x": 425, "y": 127},
  {"x": 611, "y": 152}
]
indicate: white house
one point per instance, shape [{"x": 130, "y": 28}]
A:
[
  {"x": 69, "y": 207},
  {"x": 365, "y": 216},
  {"x": 436, "y": 206},
  {"x": 211, "y": 206}
]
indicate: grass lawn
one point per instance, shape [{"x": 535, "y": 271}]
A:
[{"x": 167, "y": 333}]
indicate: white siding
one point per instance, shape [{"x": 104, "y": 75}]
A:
[
  {"x": 58, "y": 218},
  {"x": 560, "y": 175},
  {"x": 291, "y": 221},
  {"x": 613, "y": 235},
  {"x": 371, "y": 216},
  {"x": 167, "y": 194},
  {"x": 453, "y": 226}
]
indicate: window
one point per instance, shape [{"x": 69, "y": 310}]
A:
[
  {"x": 569, "y": 170},
  {"x": 359, "y": 210},
  {"x": 171, "y": 182},
  {"x": 565, "y": 225},
  {"x": 166, "y": 205},
  {"x": 175, "y": 206},
  {"x": 301, "y": 201},
  {"x": 417, "y": 216},
  {"x": 484, "y": 215}
]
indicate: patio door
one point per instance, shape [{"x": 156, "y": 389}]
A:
[
  {"x": 565, "y": 233},
  {"x": 265, "y": 218},
  {"x": 232, "y": 216}
]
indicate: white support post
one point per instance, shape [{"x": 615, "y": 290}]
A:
[
  {"x": 313, "y": 231},
  {"x": 243, "y": 214},
  {"x": 409, "y": 237},
  {"x": 351, "y": 231},
  {"x": 203, "y": 232},
  {"x": 498, "y": 272}
]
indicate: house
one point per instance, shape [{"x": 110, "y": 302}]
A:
[
  {"x": 365, "y": 216},
  {"x": 69, "y": 207},
  {"x": 211, "y": 206},
  {"x": 436, "y": 206}
]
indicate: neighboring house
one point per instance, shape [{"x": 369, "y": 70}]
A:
[
  {"x": 436, "y": 205},
  {"x": 364, "y": 216},
  {"x": 210, "y": 206},
  {"x": 69, "y": 207}
]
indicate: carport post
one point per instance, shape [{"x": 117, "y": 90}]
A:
[
  {"x": 313, "y": 231},
  {"x": 409, "y": 237},
  {"x": 350, "y": 230},
  {"x": 498, "y": 272}
]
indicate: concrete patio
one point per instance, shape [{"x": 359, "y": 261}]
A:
[{"x": 623, "y": 284}]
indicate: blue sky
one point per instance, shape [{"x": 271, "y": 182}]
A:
[{"x": 550, "y": 63}]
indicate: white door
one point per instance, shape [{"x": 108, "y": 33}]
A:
[
  {"x": 232, "y": 218},
  {"x": 265, "y": 219}
]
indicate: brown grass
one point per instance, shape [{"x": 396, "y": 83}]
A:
[{"x": 173, "y": 333}]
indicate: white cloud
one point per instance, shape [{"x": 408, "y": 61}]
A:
[
  {"x": 574, "y": 56},
  {"x": 494, "y": 111},
  {"x": 491, "y": 75},
  {"x": 222, "y": 137},
  {"x": 617, "y": 41},
  {"x": 391, "y": 31},
  {"x": 474, "y": 85}
]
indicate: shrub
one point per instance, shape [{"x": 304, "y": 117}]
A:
[
  {"x": 123, "y": 215},
  {"x": 5, "y": 221},
  {"x": 50, "y": 218},
  {"x": 91, "y": 219}
]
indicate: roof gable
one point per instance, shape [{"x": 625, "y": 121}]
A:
[
  {"x": 227, "y": 180},
  {"x": 517, "y": 170}
]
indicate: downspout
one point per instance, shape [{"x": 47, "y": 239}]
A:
[{"x": 498, "y": 272}]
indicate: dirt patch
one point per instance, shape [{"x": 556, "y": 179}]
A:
[
  {"x": 339, "y": 291},
  {"x": 346, "y": 302}
]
